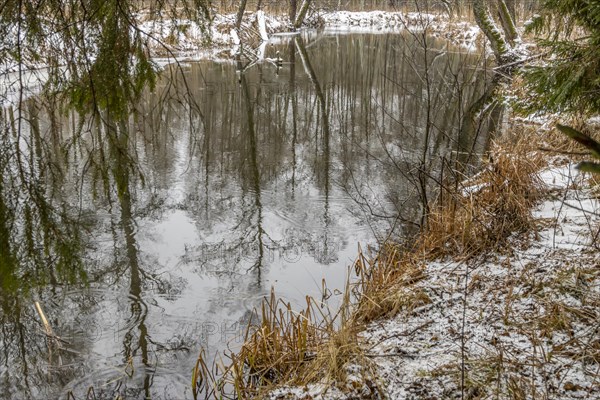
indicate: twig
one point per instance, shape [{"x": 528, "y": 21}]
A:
[
  {"x": 47, "y": 326},
  {"x": 520, "y": 61},
  {"x": 567, "y": 153},
  {"x": 51, "y": 337},
  {"x": 403, "y": 334},
  {"x": 462, "y": 333}
]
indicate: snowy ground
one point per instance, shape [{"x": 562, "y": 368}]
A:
[
  {"x": 521, "y": 324},
  {"x": 173, "y": 37},
  {"x": 531, "y": 317}
]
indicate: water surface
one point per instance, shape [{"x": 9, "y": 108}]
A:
[{"x": 147, "y": 238}]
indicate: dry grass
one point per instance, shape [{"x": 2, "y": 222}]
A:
[
  {"x": 292, "y": 348},
  {"x": 313, "y": 346},
  {"x": 482, "y": 216},
  {"x": 386, "y": 284}
]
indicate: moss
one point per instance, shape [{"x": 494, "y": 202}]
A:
[
  {"x": 487, "y": 25},
  {"x": 507, "y": 20}
]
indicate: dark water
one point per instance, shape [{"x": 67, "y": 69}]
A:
[{"x": 146, "y": 239}]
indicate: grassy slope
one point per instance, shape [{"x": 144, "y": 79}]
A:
[{"x": 517, "y": 321}]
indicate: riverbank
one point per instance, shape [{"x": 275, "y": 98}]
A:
[
  {"x": 520, "y": 321},
  {"x": 499, "y": 298},
  {"x": 183, "y": 37}
]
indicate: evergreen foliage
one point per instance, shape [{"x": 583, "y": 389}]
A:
[
  {"x": 592, "y": 145},
  {"x": 95, "y": 53},
  {"x": 568, "y": 78}
]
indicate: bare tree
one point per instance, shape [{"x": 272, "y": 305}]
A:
[
  {"x": 293, "y": 10},
  {"x": 240, "y": 14},
  {"x": 507, "y": 20},
  {"x": 302, "y": 13}
]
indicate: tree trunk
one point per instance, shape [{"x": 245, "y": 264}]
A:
[
  {"x": 302, "y": 13},
  {"x": 240, "y": 14},
  {"x": 512, "y": 9},
  {"x": 508, "y": 22},
  {"x": 293, "y": 9},
  {"x": 488, "y": 26}
]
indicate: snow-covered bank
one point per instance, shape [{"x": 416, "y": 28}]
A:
[
  {"x": 175, "y": 37},
  {"x": 461, "y": 33},
  {"x": 527, "y": 319}
]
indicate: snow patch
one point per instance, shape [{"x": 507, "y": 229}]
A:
[{"x": 262, "y": 25}]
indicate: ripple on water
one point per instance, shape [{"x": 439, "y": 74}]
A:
[
  {"x": 310, "y": 221},
  {"x": 132, "y": 381}
]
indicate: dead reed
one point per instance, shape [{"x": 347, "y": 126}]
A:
[
  {"x": 288, "y": 347},
  {"x": 386, "y": 284},
  {"x": 481, "y": 214}
]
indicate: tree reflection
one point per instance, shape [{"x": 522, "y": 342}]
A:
[
  {"x": 118, "y": 144},
  {"x": 423, "y": 89},
  {"x": 57, "y": 171},
  {"x": 322, "y": 168},
  {"x": 41, "y": 245},
  {"x": 253, "y": 172}
]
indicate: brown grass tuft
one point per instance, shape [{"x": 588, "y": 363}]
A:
[
  {"x": 386, "y": 284},
  {"x": 296, "y": 349},
  {"x": 496, "y": 204}
]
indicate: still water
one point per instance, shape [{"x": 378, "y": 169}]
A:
[{"x": 147, "y": 238}]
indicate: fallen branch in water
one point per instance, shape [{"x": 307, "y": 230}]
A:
[
  {"x": 53, "y": 340},
  {"x": 47, "y": 326}
]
